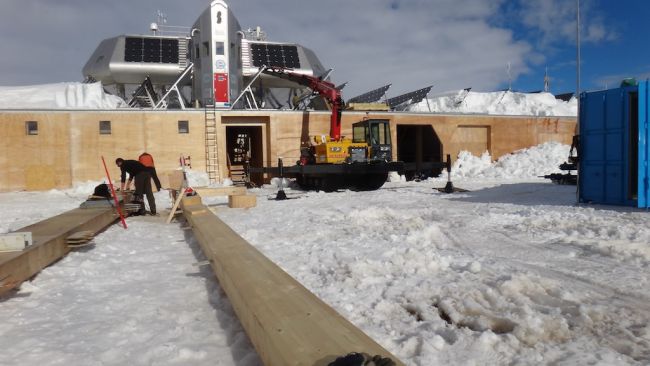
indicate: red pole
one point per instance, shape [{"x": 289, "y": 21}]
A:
[{"x": 110, "y": 183}]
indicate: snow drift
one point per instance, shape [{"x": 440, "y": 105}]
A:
[
  {"x": 59, "y": 96},
  {"x": 525, "y": 163},
  {"x": 498, "y": 103}
]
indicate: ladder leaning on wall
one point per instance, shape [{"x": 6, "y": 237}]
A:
[{"x": 211, "y": 150}]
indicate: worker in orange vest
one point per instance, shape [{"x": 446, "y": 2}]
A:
[{"x": 147, "y": 160}]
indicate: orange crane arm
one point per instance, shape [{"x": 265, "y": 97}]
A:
[{"x": 325, "y": 89}]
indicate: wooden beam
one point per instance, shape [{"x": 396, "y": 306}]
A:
[
  {"x": 220, "y": 191},
  {"x": 49, "y": 243},
  {"x": 242, "y": 201},
  {"x": 287, "y": 324}
]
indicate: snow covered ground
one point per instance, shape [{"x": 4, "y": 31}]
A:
[{"x": 510, "y": 273}]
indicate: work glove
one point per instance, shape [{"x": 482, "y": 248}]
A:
[{"x": 362, "y": 359}]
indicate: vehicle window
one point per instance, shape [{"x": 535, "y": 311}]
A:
[{"x": 359, "y": 134}]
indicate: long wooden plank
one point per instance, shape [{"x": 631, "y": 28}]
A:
[
  {"x": 287, "y": 324},
  {"x": 220, "y": 191},
  {"x": 49, "y": 243}
]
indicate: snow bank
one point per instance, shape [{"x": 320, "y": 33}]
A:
[
  {"x": 59, "y": 96},
  {"x": 526, "y": 163},
  {"x": 501, "y": 103}
]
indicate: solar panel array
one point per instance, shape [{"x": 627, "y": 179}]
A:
[
  {"x": 155, "y": 50},
  {"x": 414, "y": 97},
  {"x": 371, "y": 96},
  {"x": 275, "y": 55}
]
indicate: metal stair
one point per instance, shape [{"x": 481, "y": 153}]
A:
[
  {"x": 238, "y": 175},
  {"x": 211, "y": 149},
  {"x": 144, "y": 96}
]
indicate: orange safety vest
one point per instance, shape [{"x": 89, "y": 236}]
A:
[{"x": 146, "y": 160}]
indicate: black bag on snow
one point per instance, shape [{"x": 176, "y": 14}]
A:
[{"x": 102, "y": 191}]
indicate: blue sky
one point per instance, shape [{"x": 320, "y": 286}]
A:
[
  {"x": 613, "y": 45},
  {"x": 451, "y": 44}
]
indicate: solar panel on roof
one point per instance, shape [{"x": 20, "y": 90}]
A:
[
  {"x": 414, "y": 97},
  {"x": 154, "y": 50},
  {"x": 371, "y": 96},
  {"x": 275, "y": 55}
]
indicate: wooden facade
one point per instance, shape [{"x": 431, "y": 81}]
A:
[{"x": 64, "y": 147}]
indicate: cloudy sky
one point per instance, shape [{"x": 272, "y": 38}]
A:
[{"x": 451, "y": 44}]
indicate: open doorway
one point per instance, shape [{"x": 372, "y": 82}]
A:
[
  {"x": 418, "y": 144},
  {"x": 244, "y": 146}
]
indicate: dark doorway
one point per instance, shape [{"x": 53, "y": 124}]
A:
[
  {"x": 418, "y": 144},
  {"x": 244, "y": 146}
]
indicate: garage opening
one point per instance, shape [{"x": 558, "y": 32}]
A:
[
  {"x": 418, "y": 144},
  {"x": 244, "y": 146}
]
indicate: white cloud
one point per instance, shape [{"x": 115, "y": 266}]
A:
[
  {"x": 555, "y": 21},
  {"x": 411, "y": 44}
]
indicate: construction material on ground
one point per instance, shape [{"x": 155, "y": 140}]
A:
[
  {"x": 177, "y": 195},
  {"x": 287, "y": 324},
  {"x": 79, "y": 238},
  {"x": 220, "y": 191},
  {"x": 175, "y": 179},
  {"x": 242, "y": 201},
  {"x": 131, "y": 207},
  {"x": 50, "y": 243},
  {"x": 12, "y": 242},
  {"x": 237, "y": 195}
]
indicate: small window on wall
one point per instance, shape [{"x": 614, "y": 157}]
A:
[
  {"x": 104, "y": 127},
  {"x": 183, "y": 127},
  {"x": 31, "y": 128},
  {"x": 218, "y": 48}
]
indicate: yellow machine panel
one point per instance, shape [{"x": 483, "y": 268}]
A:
[{"x": 333, "y": 152}]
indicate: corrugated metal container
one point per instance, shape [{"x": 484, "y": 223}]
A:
[
  {"x": 614, "y": 146},
  {"x": 643, "y": 199}
]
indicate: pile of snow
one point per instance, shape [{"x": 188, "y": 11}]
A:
[
  {"x": 59, "y": 96},
  {"x": 526, "y": 163},
  {"x": 500, "y": 103},
  {"x": 197, "y": 178}
]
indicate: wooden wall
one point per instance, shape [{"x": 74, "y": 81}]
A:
[{"x": 68, "y": 146}]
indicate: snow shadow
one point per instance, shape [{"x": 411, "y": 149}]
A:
[
  {"x": 527, "y": 194},
  {"x": 241, "y": 348},
  {"x": 534, "y": 194}
]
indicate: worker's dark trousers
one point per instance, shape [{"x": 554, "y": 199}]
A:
[
  {"x": 142, "y": 187},
  {"x": 154, "y": 176}
]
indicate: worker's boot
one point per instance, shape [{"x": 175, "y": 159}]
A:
[{"x": 138, "y": 199}]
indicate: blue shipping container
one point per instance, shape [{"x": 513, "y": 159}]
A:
[
  {"x": 644, "y": 145},
  {"x": 614, "y": 146}
]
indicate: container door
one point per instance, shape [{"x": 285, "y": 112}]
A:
[
  {"x": 604, "y": 152},
  {"x": 643, "y": 194}
]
